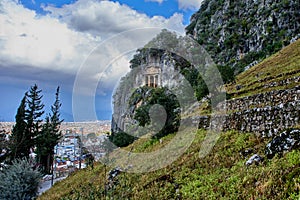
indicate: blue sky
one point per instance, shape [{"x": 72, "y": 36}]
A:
[
  {"x": 48, "y": 42},
  {"x": 164, "y": 8},
  {"x": 152, "y": 8}
]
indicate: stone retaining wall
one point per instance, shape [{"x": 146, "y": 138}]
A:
[
  {"x": 273, "y": 98},
  {"x": 266, "y": 114}
]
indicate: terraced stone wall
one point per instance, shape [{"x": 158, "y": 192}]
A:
[{"x": 266, "y": 114}]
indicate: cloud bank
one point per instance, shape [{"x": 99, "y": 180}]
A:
[
  {"x": 62, "y": 39},
  {"x": 50, "y": 49},
  {"x": 189, "y": 4}
]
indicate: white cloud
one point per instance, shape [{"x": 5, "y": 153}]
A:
[
  {"x": 106, "y": 17},
  {"x": 60, "y": 41},
  {"x": 40, "y": 41},
  {"x": 189, "y": 4},
  {"x": 158, "y": 1}
]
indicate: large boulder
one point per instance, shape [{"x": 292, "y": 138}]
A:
[{"x": 285, "y": 141}]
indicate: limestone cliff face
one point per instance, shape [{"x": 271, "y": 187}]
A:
[
  {"x": 240, "y": 33},
  {"x": 154, "y": 71}
]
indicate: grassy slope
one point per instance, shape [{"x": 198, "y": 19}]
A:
[
  {"x": 282, "y": 65},
  {"x": 220, "y": 175}
]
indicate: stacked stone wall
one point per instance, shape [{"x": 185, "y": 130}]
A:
[{"x": 266, "y": 114}]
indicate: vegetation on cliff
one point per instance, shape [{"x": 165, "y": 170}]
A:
[
  {"x": 147, "y": 98},
  {"x": 238, "y": 33}
]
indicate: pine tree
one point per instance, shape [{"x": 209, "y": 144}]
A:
[
  {"x": 55, "y": 116},
  {"x": 49, "y": 135},
  {"x": 33, "y": 116},
  {"x": 18, "y": 143},
  {"x": 43, "y": 144}
]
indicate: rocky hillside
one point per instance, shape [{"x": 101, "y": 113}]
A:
[
  {"x": 236, "y": 34},
  {"x": 241, "y": 33},
  {"x": 279, "y": 71},
  {"x": 240, "y": 166},
  {"x": 157, "y": 66}
]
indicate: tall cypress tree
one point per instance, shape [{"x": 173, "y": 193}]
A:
[
  {"x": 43, "y": 144},
  {"x": 33, "y": 116},
  {"x": 49, "y": 136},
  {"x": 55, "y": 115},
  {"x": 18, "y": 143}
]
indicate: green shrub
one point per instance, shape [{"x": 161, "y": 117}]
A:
[
  {"x": 163, "y": 97},
  {"x": 121, "y": 139},
  {"x": 19, "y": 181}
]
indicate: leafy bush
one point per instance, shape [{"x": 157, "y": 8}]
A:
[
  {"x": 163, "y": 97},
  {"x": 227, "y": 73},
  {"x": 121, "y": 139},
  {"x": 19, "y": 181}
]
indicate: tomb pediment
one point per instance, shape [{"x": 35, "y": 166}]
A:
[{"x": 152, "y": 70}]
